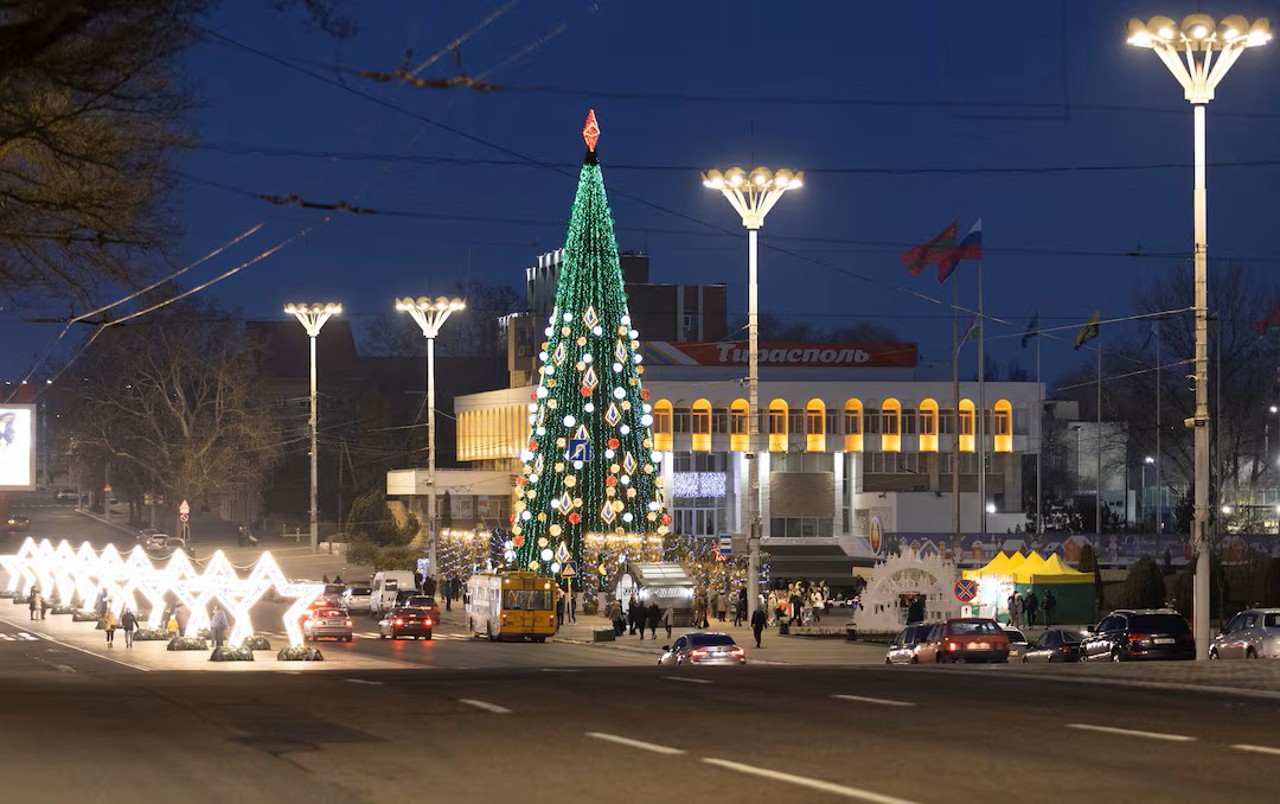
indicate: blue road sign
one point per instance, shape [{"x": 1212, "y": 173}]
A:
[
  {"x": 579, "y": 449},
  {"x": 726, "y": 545},
  {"x": 569, "y": 570},
  {"x": 966, "y": 590}
]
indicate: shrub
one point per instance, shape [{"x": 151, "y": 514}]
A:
[{"x": 1144, "y": 585}]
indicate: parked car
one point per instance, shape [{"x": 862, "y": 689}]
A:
[
  {"x": 155, "y": 541},
  {"x": 16, "y": 523},
  {"x": 356, "y": 598},
  {"x": 1017, "y": 643},
  {"x": 399, "y": 622},
  {"x": 1251, "y": 634},
  {"x": 903, "y": 648},
  {"x": 1129, "y": 634},
  {"x": 144, "y": 534},
  {"x": 965, "y": 639},
  {"x": 1054, "y": 645},
  {"x": 65, "y": 495},
  {"x": 702, "y": 647},
  {"x": 327, "y": 623}
]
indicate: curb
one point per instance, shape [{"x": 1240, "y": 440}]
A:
[{"x": 1121, "y": 682}]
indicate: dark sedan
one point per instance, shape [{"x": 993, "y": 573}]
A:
[
  {"x": 16, "y": 523},
  {"x": 416, "y": 623},
  {"x": 1054, "y": 645},
  {"x": 1145, "y": 634}
]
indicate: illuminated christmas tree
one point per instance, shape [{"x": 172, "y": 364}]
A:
[{"x": 590, "y": 476}]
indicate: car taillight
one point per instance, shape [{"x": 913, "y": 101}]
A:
[
  {"x": 697, "y": 653},
  {"x": 1138, "y": 637},
  {"x": 398, "y": 622},
  {"x": 954, "y": 646},
  {"x": 426, "y": 621},
  {"x": 347, "y": 623},
  {"x": 737, "y": 652}
]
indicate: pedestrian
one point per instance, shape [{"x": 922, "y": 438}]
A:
[
  {"x": 1031, "y": 606},
  {"x": 559, "y": 605},
  {"x": 324, "y": 578},
  {"x": 1049, "y": 603},
  {"x": 722, "y": 606},
  {"x": 757, "y": 625},
  {"x": 128, "y": 622},
  {"x": 183, "y": 615},
  {"x": 33, "y": 601},
  {"x": 619, "y": 622},
  {"x": 739, "y": 611},
  {"x": 668, "y": 617},
  {"x": 109, "y": 623},
  {"x": 573, "y": 606},
  {"x": 1015, "y": 609},
  {"x": 796, "y": 604},
  {"x": 633, "y": 613},
  {"x": 337, "y": 579},
  {"x": 218, "y": 625},
  {"x": 654, "y": 617},
  {"x": 171, "y": 625}
]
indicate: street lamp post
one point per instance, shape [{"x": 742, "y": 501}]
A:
[
  {"x": 1196, "y": 40},
  {"x": 313, "y": 318},
  {"x": 752, "y": 196},
  {"x": 1148, "y": 461},
  {"x": 430, "y": 314}
]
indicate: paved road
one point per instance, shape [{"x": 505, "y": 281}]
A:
[{"x": 75, "y": 725}]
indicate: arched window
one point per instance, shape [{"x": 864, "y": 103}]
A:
[
  {"x": 778, "y": 425},
  {"x": 662, "y": 425},
  {"x": 815, "y": 426},
  {"x": 1003, "y": 430},
  {"x": 967, "y": 440},
  {"x": 853, "y": 425},
  {"x": 700, "y": 425},
  {"x": 928, "y": 428},
  {"x": 891, "y": 426},
  {"x": 739, "y": 421}
]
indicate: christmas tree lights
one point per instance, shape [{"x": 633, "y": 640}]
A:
[{"x": 590, "y": 473}]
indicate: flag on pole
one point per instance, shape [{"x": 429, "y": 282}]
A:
[
  {"x": 917, "y": 257},
  {"x": 1271, "y": 320},
  {"x": 1090, "y": 330},
  {"x": 1033, "y": 329},
  {"x": 970, "y": 332},
  {"x": 969, "y": 249},
  {"x": 1151, "y": 334}
]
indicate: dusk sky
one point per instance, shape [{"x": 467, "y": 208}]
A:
[{"x": 900, "y": 118}]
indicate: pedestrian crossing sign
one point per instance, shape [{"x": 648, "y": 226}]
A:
[{"x": 569, "y": 570}]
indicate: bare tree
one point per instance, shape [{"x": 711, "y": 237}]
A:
[{"x": 178, "y": 401}]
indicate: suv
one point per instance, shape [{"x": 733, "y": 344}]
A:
[
  {"x": 903, "y": 649},
  {"x": 1129, "y": 634}
]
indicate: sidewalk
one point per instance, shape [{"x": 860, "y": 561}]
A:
[{"x": 152, "y": 655}]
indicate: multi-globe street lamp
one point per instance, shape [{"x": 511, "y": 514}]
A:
[
  {"x": 752, "y": 195},
  {"x": 1188, "y": 50},
  {"x": 313, "y": 318},
  {"x": 430, "y": 315}
]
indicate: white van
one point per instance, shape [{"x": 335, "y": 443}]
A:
[{"x": 382, "y": 595}]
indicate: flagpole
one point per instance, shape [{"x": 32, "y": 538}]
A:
[
  {"x": 982, "y": 409},
  {"x": 1159, "y": 392},
  {"x": 955, "y": 411},
  {"x": 1097, "y": 507},
  {"x": 1040, "y": 434}
]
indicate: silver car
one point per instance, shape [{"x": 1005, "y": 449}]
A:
[
  {"x": 1017, "y": 643},
  {"x": 701, "y": 647},
  {"x": 903, "y": 649},
  {"x": 356, "y": 598},
  {"x": 1251, "y": 634}
]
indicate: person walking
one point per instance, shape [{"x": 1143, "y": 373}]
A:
[
  {"x": 1032, "y": 608},
  {"x": 183, "y": 615},
  {"x": 797, "y": 603},
  {"x": 128, "y": 622},
  {"x": 739, "y": 610},
  {"x": 757, "y": 625},
  {"x": 655, "y": 617},
  {"x": 619, "y": 622},
  {"x": 33, "y": 601},
  {"x": 668, "y": 617},
  {"x": 171, "y": 625},
  {"x": 1050, "y": 602},
  {"x": 218, "y": 626},
  {"x": 722, "y": 606},
  {"x": 573, "y": 606},
  {"x": 633, "y": 614},
  {"x": 109, "y": 623}
]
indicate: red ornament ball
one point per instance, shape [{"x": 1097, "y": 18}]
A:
[
  {"x": 512, "y": 519},
  {"x": 533, "y": 446},
  {"x": 645, "y": 394},
  {"x": 518, "y": 540},
  {"x": 585, "y": 391},
  {"x": 611, "y": 481},
  {"x": 666, "y": 519},
  {"x": 574, "y": 518},
  {"x": 613, "y": 443},
  {"x": 520, "y": 480}
]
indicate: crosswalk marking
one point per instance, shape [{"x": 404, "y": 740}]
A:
[
  {"x": 21, "y": 636},
  {"x": 30, "y": 637}
]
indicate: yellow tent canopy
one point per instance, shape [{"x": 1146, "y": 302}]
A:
[
  {"x": 1030, "y": 566},
  {"x": 1052, "y": 571},
  {"x": 1002, "y": 564}
]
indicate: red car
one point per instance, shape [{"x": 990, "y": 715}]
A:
[{"x": 965, "y": 639}]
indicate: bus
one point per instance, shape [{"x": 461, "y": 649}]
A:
[{"x": 511, "y": 605}]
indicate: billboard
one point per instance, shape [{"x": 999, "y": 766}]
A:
[
  {"x": 17, "y": 447},
  {"x": 808, "y": 355}
]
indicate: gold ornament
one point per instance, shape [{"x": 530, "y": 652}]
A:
[
  {"x": 565, "y": 331},
  {"x": 618, "y": 506},
  {"x": 542, "y": 516},
  {"x": 648, "y": 469},
  {"x": 516, "y": 529},
  {"x": 652, "y": 516},
  {"x": 631, "y": 493},
  {"x": 577, "y": 502},
  {"x": 582, "y": 341},
  {"x": 614, "y": 468},
  {"x": 542, "y": 541},
  {"x": 618, "y": 530},
  {"x": 570, "y": 481},
  {"x": 559, "y": 465},
  {"x": 625, "y": 404},
  {"x": 639, "y": 369},
  {"x": 555, "y": 530},
  {"x": 622, "y": 330},
  {"x": 647, "y": 443},
  {"x": 662, "y": 530},
  {"x": 610, "y": 491},
  {"x": 580, "y": 366},
  {"x": 560, "y": 442}
]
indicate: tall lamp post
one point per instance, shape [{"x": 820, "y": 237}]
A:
[
  {"x": 430, "y": 314},
  {"x": 1147, "y": 461},
  {"x": 752, "y": 196},
  {"x": 313, "y": 318},
  {"x": 1188, "y": 51}
]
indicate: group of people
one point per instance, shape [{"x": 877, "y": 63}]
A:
[
  {"x": 1025, "y": 609},
  {"x": 708, "y": 603},
  {"x": 634, "y": 618},
  {"x": 798, "y": 603},
  {"x": 37, "y": 604}
]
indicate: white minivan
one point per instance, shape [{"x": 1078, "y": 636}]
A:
[{"x": 382, "y": 594}]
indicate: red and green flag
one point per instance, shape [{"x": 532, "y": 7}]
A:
[
  {"x": 917, "y": 257},
  {"x": 1271, "y": 320}
]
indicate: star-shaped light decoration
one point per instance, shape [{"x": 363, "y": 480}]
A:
[{"x": 591, "y": 130}]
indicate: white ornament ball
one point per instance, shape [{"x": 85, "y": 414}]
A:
[{"x": 546, "y": 554}]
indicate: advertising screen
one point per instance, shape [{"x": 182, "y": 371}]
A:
[{"x": 17, "y": 447}]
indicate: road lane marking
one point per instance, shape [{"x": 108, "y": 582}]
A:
[
  {"x": 1151, "y": 735},
  {"x": 486, "y": 706},
  {"x": 559, "y": 669},
  {"x": 8, "y": 637},
  {"x": 880, "y": 701},
  {"x": 627, "y": 741},
  {"x": 363, "y": 681},
  {"x": 688, "y": 680},
  {"x": 804, "y": 781},
  {"x": 1257, "y": 749},
  {"x": 130, "y": 665},
  {"x": 28, "y": 637}
]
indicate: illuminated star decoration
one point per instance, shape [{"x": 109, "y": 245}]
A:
[{"x": 591, "y": 131}]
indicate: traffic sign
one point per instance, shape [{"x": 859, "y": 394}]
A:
[
  {"x": 579, "y": 449},
  {"x": 424, "y": 565},
  {"x": 726, "y": 546},
  {"x": 185, "y": 508},
  {"x": 966, "y": 590},
  {"x": 184, "y": 517},
  {"x": 569, "y": 570}
]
